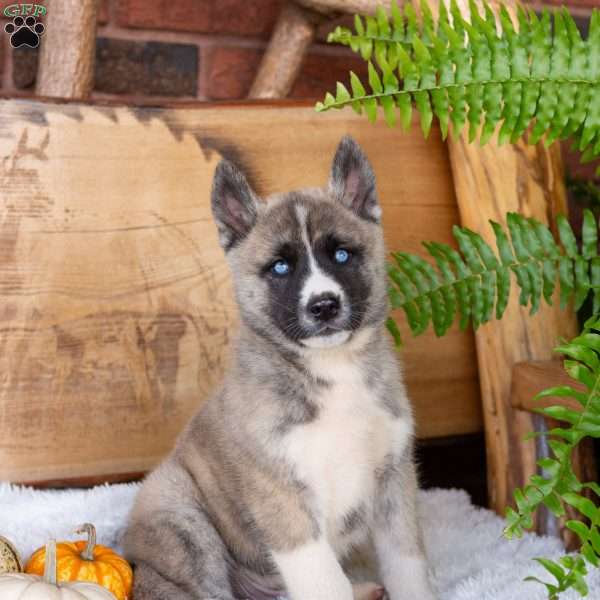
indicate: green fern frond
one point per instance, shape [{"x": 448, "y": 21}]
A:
[
  {"x": 568, "y": 571},
  {"x": 557, "y": 484},
  {"x": 541, "y": 75},
  {"x": 475, "y": 282}
]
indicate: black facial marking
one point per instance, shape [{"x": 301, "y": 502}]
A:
[
  {"x": 284, "y": 291},
  {"x": 350, "y": 276},
  {"x": 327, "y": 231},
  {"x": 284, "y": 252}
]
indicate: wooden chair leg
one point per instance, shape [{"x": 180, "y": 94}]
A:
[{"x": 530, "y": 378}]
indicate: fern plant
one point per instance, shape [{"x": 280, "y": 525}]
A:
[
  {"x": 474, "y": 283},
  {"x": 558, "y": 484},
  {"x": 541, "y": 77}
]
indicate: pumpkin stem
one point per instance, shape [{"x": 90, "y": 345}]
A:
[
  {"x": 90, "y": 530},
  {"x": 50, "y": 563}
]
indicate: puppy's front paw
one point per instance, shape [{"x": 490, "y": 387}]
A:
[{"x": 368, "y": 591}]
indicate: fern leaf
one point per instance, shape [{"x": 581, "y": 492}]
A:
[
  {"x": 475, "y": 282},
  {"x": 541, "y": 76},
  {"x": 557, "y": 484}
]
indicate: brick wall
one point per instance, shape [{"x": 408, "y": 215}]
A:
[
  {"x": 171, "y": 50},
  {"x": 156, "y": 50},
  {"x": 193, "y": 49}
]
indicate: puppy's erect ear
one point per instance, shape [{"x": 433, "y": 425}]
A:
[
  {"x": 353, "y": 181},
  {"x": 234, "y": 204}
]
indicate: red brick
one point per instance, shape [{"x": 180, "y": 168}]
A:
[
  {"x": 180, "y": 15},
  {"x": 319, "y": 74},
  {"x": 243, "y": 17},
  {"x": 103, "y": 13},
  {"x": 231, "y": 72}
]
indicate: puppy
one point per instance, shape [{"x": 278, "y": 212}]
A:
[{"x": 305, "y": 452}]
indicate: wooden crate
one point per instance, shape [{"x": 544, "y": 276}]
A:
[{"x": 116, "y": 309}]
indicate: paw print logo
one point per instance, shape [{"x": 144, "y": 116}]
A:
[{"x": 25, "y": 32}]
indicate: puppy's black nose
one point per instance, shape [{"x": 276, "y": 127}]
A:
[{"x": 324, "y": 308}]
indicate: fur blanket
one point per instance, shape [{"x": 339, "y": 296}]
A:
[{"x": 470, "y": 560}]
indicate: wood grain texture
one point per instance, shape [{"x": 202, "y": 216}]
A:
[
  {"x": 293, "y": 34},
  {"x": 531, "y": 377},
  {"x": 490, "y": 182},
  {"x": 68, "y": 51},
  {"x": 116, "y": 308}
]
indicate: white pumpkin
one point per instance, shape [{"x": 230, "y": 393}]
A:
[{"x": 18, "y": 586}]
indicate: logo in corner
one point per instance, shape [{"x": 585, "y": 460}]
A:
[{"x": 25, "y": 29}]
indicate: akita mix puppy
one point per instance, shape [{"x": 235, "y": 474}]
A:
[{"x": 305, "y": 452}]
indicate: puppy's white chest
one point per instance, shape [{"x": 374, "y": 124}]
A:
[{"x": 337, "y": 454}]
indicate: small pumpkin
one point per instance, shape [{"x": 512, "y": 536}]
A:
[
  {"x": 10, "y": 562},
  {"x": 88, "y": 561},
  {"x": 19, "y": 586}
]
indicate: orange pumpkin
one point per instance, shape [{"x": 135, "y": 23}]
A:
[{"x": 87, "y": 561}]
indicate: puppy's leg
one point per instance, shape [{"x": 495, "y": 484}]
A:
[
  {"x": 313, "y": 571},
  {"x": 178, "y": 556},
  {"x": 397, "y": 534},
  {"x": 148, "y": 584}
]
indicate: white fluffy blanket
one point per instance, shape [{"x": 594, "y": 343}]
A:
[{"x": 470, "y": 560}]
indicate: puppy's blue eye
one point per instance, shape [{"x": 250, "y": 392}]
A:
[
  {"x": 281, "y": 267},
  {"x": 342, "y": 256}
]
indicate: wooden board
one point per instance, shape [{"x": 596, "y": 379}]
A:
[
  {"x": 116, "y": 310},
  {"x": 491, "y": 181},
  {"x": 531, "y": 377}
]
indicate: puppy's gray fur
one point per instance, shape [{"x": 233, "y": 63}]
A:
[{"x": 305, "y": 452}]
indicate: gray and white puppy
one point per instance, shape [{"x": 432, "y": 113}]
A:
[{"x": 305, "y": 451}]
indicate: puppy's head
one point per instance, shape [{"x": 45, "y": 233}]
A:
[{"x": 308, "y": 266}]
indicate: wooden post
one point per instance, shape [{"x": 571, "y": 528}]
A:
[
  {"x": 68, "y": 50},
  {"x": 293, "y": 34},
  {"x": 528, "y": 380},
  {"x": 489, "y": 182}
]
